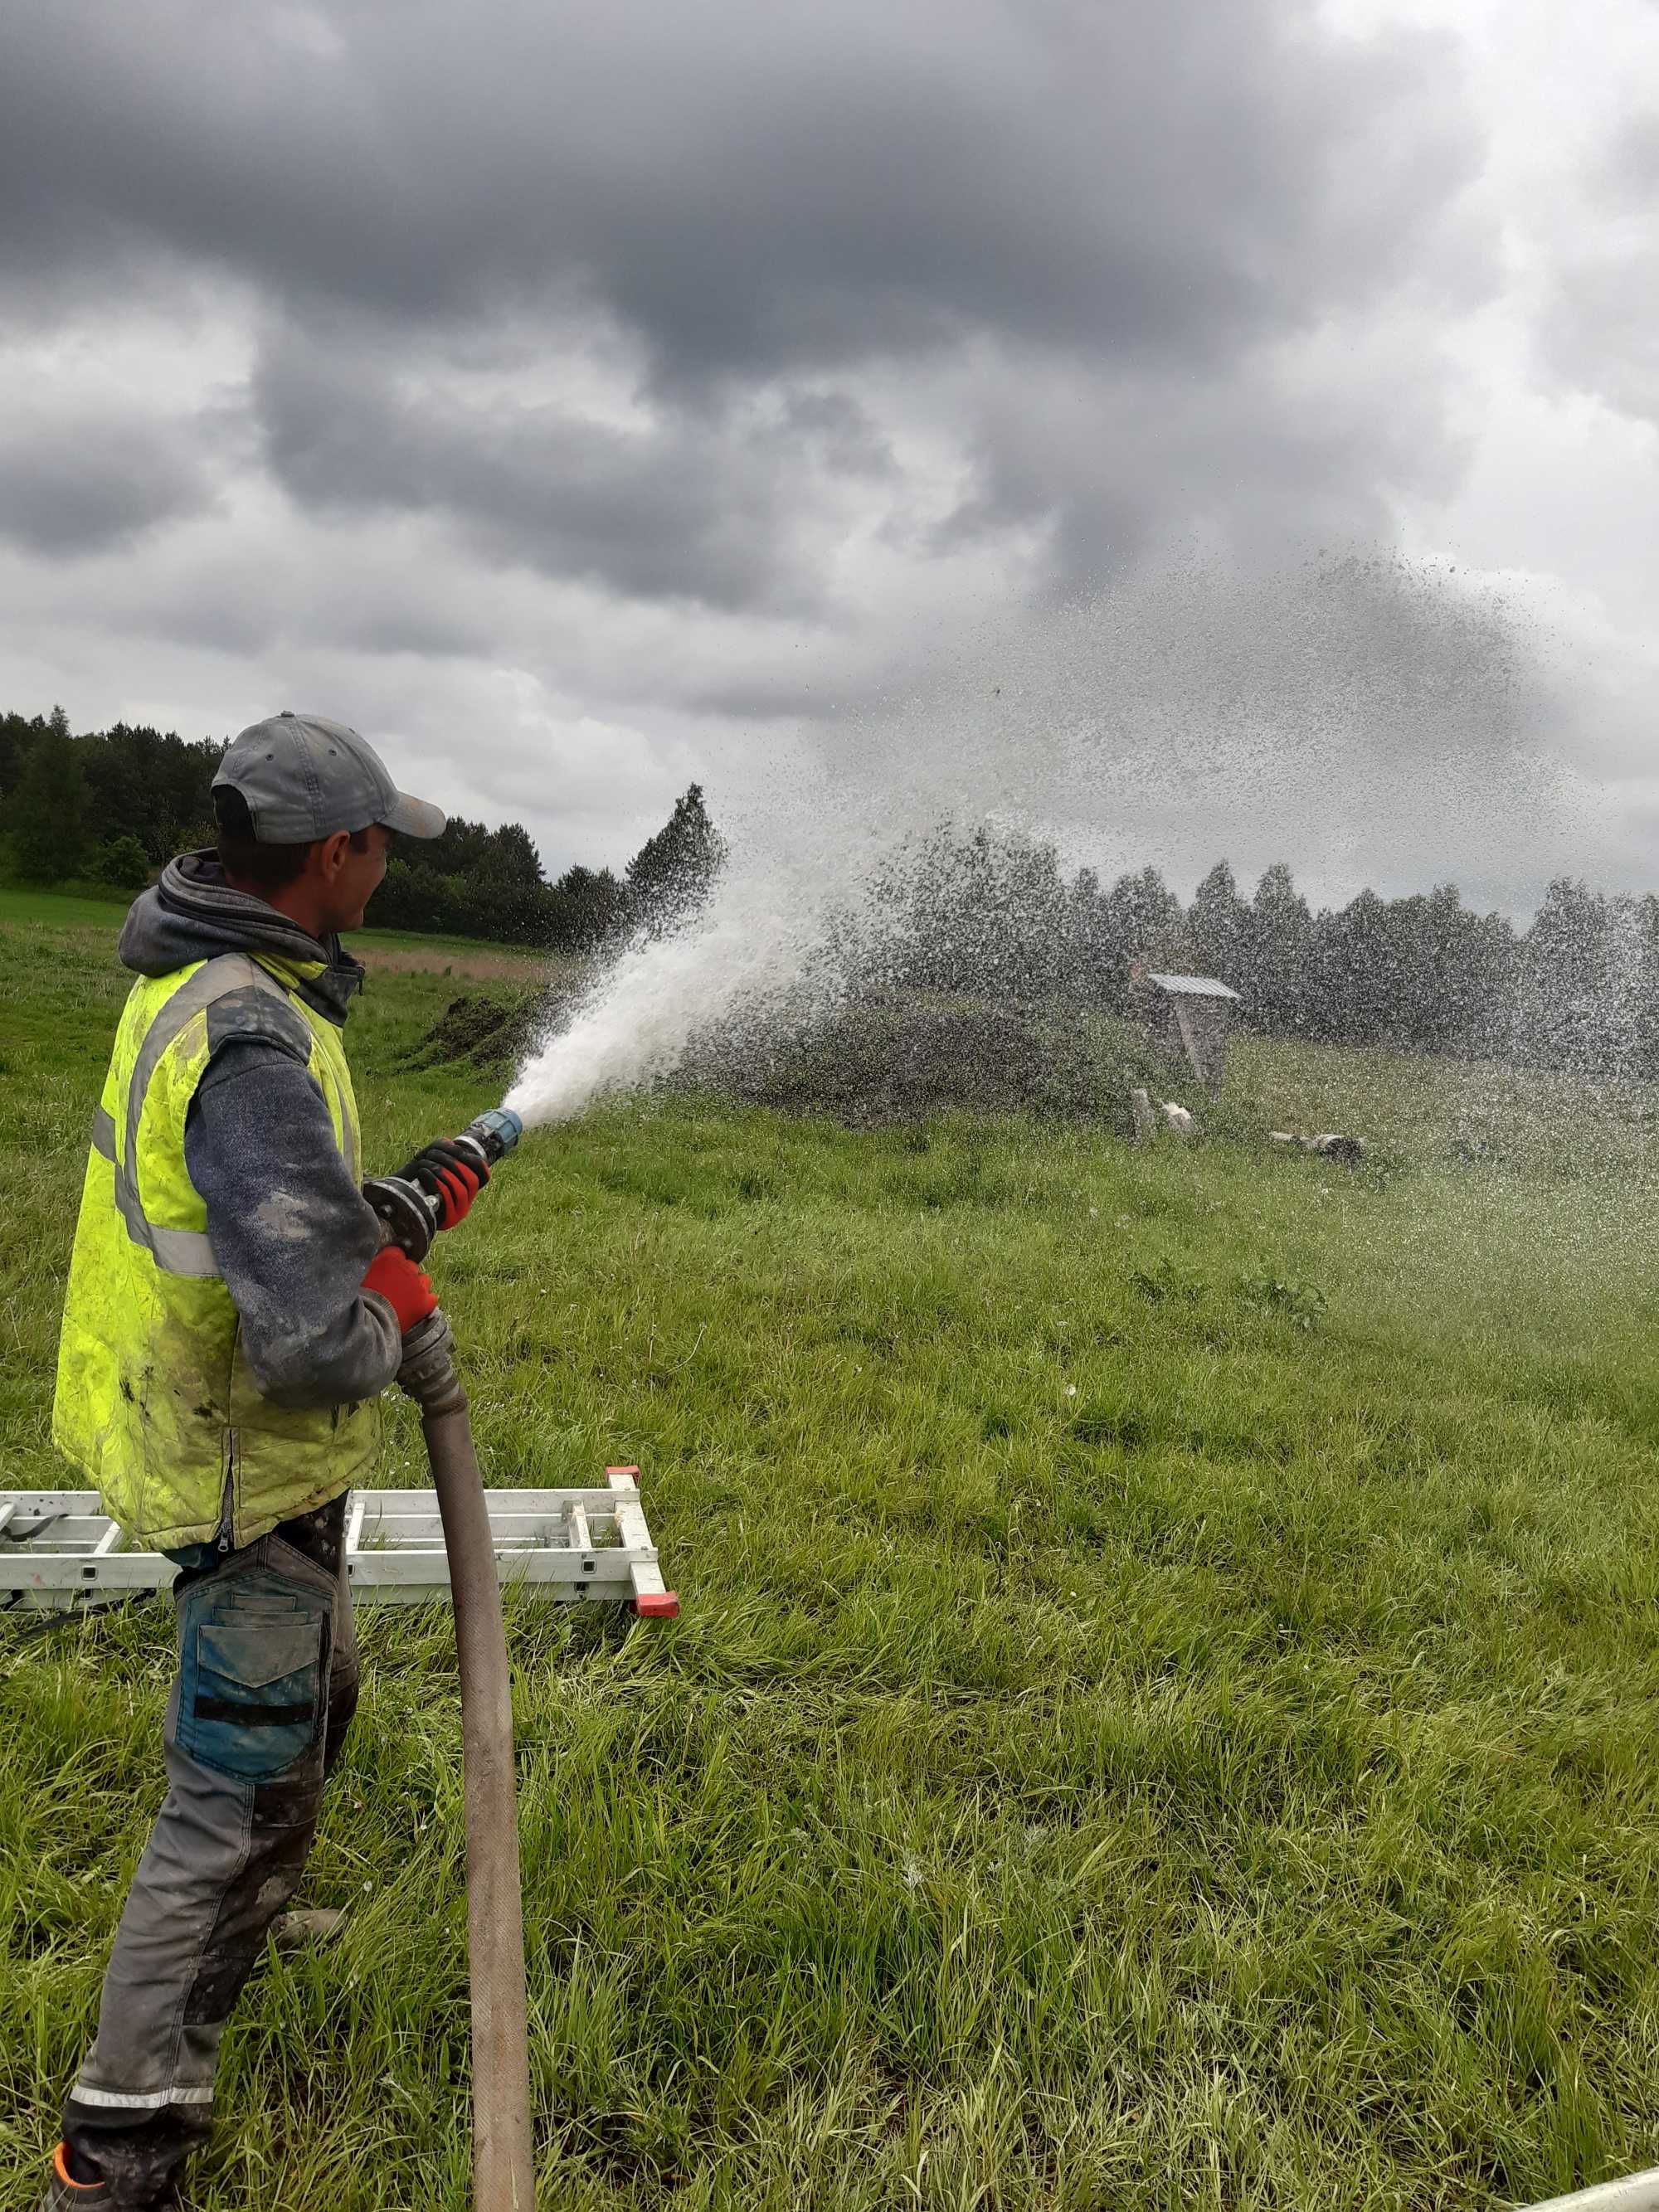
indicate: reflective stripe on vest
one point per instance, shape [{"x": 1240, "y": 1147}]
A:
[{"x": 176, "y": 1251}]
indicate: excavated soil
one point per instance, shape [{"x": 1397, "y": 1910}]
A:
[
  {"x": 904, "y": 1059},
  {"x": 871, "y": 1064},
  {"x": 487, "y": 1031}
]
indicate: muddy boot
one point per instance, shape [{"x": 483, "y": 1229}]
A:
[
  {"x": 67, "y": 2193},
  {"x": 64, "y": 2192}
]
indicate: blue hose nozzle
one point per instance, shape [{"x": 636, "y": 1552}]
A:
[{"x": 496, "y": 1132}]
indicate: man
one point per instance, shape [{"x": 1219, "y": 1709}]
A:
[{"x": 231, "y": 1321}]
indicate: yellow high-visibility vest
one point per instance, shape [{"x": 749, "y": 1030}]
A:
[{"x": 156, "y": 1404}]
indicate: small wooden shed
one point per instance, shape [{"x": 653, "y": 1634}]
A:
[{"x": 1191, "y": 1015}]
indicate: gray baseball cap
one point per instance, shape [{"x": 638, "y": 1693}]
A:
[{"x": 304, "y": 778}]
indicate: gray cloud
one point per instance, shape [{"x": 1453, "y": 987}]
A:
[
  {"x": 749, "y": 188},
  {"x": 1599, "y": 331},
  {"x": 754, "y": 201},
  {"x": 636, "y": 379},
  {"x": 71, "y": 484},
  {"x": 696, "y": 506},
  {"x": 1115, "y": 464}
]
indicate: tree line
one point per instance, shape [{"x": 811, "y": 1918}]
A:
[
  {"x": 1577, "y": 987},
  {"x": 973, "y": 912},
  {"x": 112, "y": 807}
]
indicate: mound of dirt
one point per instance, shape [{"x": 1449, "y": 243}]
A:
[
  {"x": 902, "y": 1060},
  {"x": 487, "y": 1030},
  {"x": 870, "y": 1064}
]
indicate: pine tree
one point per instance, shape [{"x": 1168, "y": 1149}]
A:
[
  {"x": 48, "y": 807},
  {"x": 1276, "y": 980},
  {"x": 671, "y": 874},
  {"x": 1219, "y": 926}
]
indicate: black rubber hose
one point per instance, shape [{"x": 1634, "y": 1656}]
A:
[{"x": 503, "y": 2152}]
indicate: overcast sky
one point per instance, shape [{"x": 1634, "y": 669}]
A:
[{"x": 582, "y": 399}]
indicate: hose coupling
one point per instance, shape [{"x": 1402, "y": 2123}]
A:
[
  {"x": 427, "y": 1371},
  {"x": 409, "y": 1215}
]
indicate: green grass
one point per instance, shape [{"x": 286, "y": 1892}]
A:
[
  {"x": 1164, "y": 1707},
  {"x": 93, "y": 905},
  {"x": 89, "y": 906},
  {"x": 426, "y": 941}
]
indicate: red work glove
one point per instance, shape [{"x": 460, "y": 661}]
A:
[
  {"x": 453, "y": 1182},
  {"x": 406, "y": 1290},
  {"x": 457, "y": 1188}
]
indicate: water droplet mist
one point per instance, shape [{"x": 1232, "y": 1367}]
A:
[{"x": 1369, "y": 722}]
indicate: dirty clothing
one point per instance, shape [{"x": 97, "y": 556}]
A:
[
  {"x": 267, "y": 1688},
  {"x": 218, "y": 1347},
  {"x": 217, "y": 1379},
  {"x": 259, "y": 1124}
]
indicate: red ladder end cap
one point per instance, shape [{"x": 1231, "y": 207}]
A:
[
  {"x": 621, "y": 1470},
  {"x": 658, "y": 1605}
]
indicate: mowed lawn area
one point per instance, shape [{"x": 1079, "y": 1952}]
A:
[{"x": 1166, "y": 1708}]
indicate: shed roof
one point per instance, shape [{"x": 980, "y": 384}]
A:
[{"x": 1193, "y": 987}]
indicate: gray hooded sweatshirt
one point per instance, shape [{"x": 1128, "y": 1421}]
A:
[{"x": 290, "y": 1231}]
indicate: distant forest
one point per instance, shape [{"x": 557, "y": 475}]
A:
[
  {"x": 972, "y": 912},
  {"x": 112, "y": 806},
  {"x": 1577, "y": 988}
]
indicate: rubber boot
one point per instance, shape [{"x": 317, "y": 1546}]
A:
[{"x": 66, "y": 2195}]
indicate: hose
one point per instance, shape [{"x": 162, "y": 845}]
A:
[
  {"x": 1637, "y": 2192},
  {"x": 503, "y": 2167}
]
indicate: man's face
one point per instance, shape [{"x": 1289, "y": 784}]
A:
[{"x": 352, "y": 878}]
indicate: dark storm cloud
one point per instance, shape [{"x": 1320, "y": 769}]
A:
[
  {"x": 695, "y": 506},
  {"x": 72, "y": 485},
  {"x": 747, "y": 188},
  {"x": 1019, "y": 284}
]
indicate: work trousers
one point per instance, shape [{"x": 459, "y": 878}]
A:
[{"x": 265, "y": 1689}]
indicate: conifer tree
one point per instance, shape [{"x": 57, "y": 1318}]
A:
[
  {"x": 671, "y": 874},
  {"x": 48, "y": 807}
]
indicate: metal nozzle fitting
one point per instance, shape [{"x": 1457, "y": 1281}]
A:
[{"x": 495, "y": 1132}]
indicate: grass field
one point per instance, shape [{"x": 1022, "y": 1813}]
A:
[
  {"x": 399, "y": 948},
  {"x": 1165, "y": 1706}
]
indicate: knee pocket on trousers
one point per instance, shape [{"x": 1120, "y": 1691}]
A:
[{"x": 253, "y": 1687}]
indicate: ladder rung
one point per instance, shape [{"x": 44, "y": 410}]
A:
[{"x": 557, "y": 1546}]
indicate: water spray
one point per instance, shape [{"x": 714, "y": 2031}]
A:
[
  {"x": 504, "y": 2149},
  {"x": 1361, "y": 710}
]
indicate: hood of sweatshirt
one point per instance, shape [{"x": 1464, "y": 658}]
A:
[{"x": 192, "y": 914}]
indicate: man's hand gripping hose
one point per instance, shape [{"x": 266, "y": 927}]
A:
[
  {"x": 436, "y": 1188},
  {"x": 406, "y": 1288},
  {"x": 414, "y": 1205}
]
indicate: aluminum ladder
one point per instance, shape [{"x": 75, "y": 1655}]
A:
[{"x": 58, "y": 1550}]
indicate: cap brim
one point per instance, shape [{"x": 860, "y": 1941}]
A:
[{"x": 413, "y": 818}]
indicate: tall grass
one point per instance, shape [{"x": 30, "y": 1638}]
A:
[{"x": 1134, "y": 1738}]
